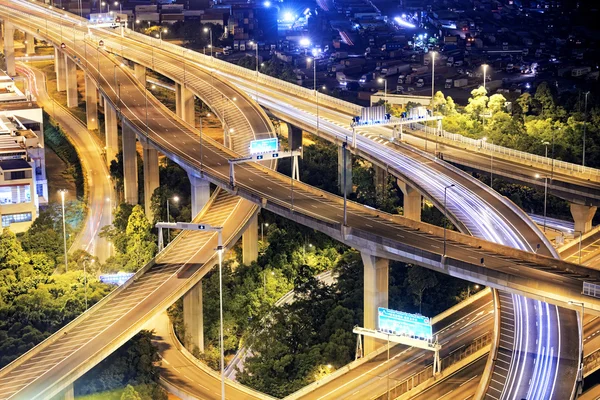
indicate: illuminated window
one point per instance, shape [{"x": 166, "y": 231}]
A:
[
  {"x": 8, "y": 219},
  {"x": 15, "y": 194}
]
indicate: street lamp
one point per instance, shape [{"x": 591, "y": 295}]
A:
[
  {"x": 160, "y": 32},
  {"x": 104, "y": 3},
  {"x": 86, "y": 280},
  {"x": 314, "y": 61},
  {"x": 63, "y": 192},
  {"x": 175, "y": 200},
  {"x": 580, "y": 235},
  {"x": 384, "y": 81},
  {"x": 579, "y": 303},
  {"x": 546, "y": 143},
  {"x": 584, "y": 129},
  {"x": 117, "y": 3},
  {"x": 255, "y": 44},
  {"x": 432, "y": 78},
  {"x": 485, "y": 66},
  {"x": 537, "y": 176},
  {"x": 446, "y": 215},
  {"x": 211, "y": 41},
  {"x": 476, "y": 287},
  {"x": 262, "y": 236}
]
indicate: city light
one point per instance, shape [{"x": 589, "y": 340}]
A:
[
  {"x": 404, "y": 23},
  {"x": 305, "y": 42},
  {"x": 288, "y": 16},
  {"x": 267, "y": 4}
]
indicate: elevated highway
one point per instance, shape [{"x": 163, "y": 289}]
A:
[{"x": 366, "y": 229}]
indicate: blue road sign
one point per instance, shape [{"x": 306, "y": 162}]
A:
[
  {"x": 404, "y": 324},
  {"x": 264, "y": 145},
  {"x": 116, "y": 279}
]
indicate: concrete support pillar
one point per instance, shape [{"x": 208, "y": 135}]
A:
[
  {"x": 111, "y": 132},
  {"x": 151, "y": 178},
  {"x": 412, "y": 201},
  {"x": 184, "y": 104},
  {"x": 9, "y": 48},
  {"x": 30, "y": 44},
  {"x": 193, "y": 318},
  {"x": 91, "y": 103},
  {"x": 200, "y": 193},
  {"x": 66, "y": 394},
  {"x": 60, "y": 68},
  {"x": 140, "y": 73},
  {"x": 250, "y": 241},
  {"x": 582, "y": 215},
  {"x": 130, "y": 175},
  {"x": 380, "y": 180},
  {"x": 348, "y": 167},
  {"x": 71, "y": 80},
  {"x": 294, "y": 137},
  {"x": 376, "y": 273}
]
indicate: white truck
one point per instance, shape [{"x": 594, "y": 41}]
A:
[
  {"x": 461, "y": 82},
  {"x": 449, "y": 83}
]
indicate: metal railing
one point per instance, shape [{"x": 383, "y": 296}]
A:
[
  {"x": 425, "y": 374},
  {"x": 485, "y": 146}
]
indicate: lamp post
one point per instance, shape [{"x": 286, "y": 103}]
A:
[
  {"x": 545, "y": 195},
  {"x": 86, "y": 280},
  {"x": 579, "y": 303},
  {"x": 584, "y": 129},
  {"x": 446, "y": 214},
  {"x": 476, "y": 287},
  {"x": 160, "y": 32},
  {"x": 314, "y": 61},
  {"x": 175, "y": 200},
  {"x": 485, "y": 66},
  {"x": 262, "y": 236},
  {"x": 432, "y": 78},
  {"x": 384, "y": 81},
  {"x": 118, "y": 3},
  {"x": 255, "y": 44},
  {"x": 63, "y": 192},
  {"x": 211, "y": 41},
  {"x": 546, "y": 143}
]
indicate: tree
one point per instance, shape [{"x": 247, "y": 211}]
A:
[
  {"x": 477, "y": 103},
  {"x": 439, "y": 102},
  {"x": 544, "y": 97},
  {"x": 450, "y": 106},
  {"x": 496, "y": 103},
  {"x": 420, "y": 279},
  {"x": 130, "y": 394},
  {"x": 525, "y": 102},
  {"x": 140, "y": 244}
]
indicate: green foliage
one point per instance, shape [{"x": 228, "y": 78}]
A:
[
  {"x": 278, "y": 69},
  {"x": 56, "y": 139},
  {"x": 131, "y": 366}
]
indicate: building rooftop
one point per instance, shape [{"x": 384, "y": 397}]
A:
[{"x": 10, "y": 165}]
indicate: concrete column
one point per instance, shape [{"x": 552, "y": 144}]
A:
[
  {"x": 140, "y": 73},
  {"x": 184, "y": 104},
  {"x": 71, "y": 80},
  {"x": 250, "y": 241},
  {"x": 376, "y": 273},
  {"x": 193, "y": 318},
  {"x": 91, "y": 103},
  {"x": 200, "y": 193},
  {"x": 130, "y": 174},
  {"x": 30, "y": 45},
  {"x": 151, "y": 178},
  {"x": 582, "y": 215},
  {"x": 348, "y": 167},
  {"x": 295, "y": 137},
  {"x": 60, "y": 68},
  {"x": 111, "y": 132},
  {"x": 9, "y": 48},
  {"x": 412, "y": 201},
  {"x": 66, "y": 394}
]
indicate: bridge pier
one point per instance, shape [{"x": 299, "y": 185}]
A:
[
  {"x": 347, "y": 165},
  {"x": 60, "y": 68},
  {"x": 381, "y": 176},
  {"x": 193, "y": 318},
  {"x": 29, "y": 44},
  {"x": 582, "y": 215},
  {"x": 250, "y": 241},
  {"x": 130, "y": 175},
  {"x": 140, "y": 73},
  {"x": 91, "y": 103},
  {"x": 71, "y": 81},
  {"x": 184, "y": 104},
  {"x": 200, "y": 193},
  {"x": 151, "y": 176},
  {"x": 376, "y": 275},
  {"x": 294, "y": 137},
  {"x": 9, "y": 48},
  {"x": 412, "y": 201},
  {"x": 110, "y": 131}
]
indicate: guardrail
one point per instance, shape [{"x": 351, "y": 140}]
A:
[
  {"x": 424, "y": 375},
  {"x": 488, "y": 147}
]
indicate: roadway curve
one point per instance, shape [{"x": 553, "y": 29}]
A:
[
  {"x": 99, "y": 185},
  {"x": 252, "y": 180}
]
